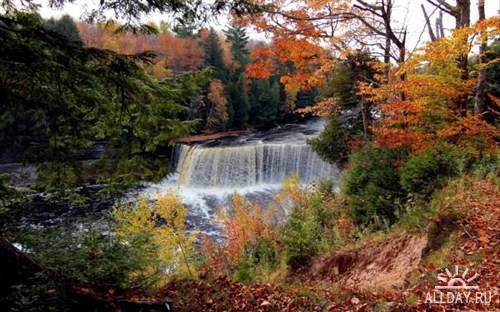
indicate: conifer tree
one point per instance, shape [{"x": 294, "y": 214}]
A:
[
  {"x": 238, "y": 39},
  {"x": 264, "y": 101},
  {"x": 66, "y": 27},
  {"x": 214, "y": 55}
]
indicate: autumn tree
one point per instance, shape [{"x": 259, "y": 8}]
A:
[
  {"x": 173, "y": 249},
  {"x": 460, "y": 11},
  {"x": 433, "y": 108},
  {"x": 91, "y": 34},
  {"x": 179, "y": 54},
  {"x": 480, "y": 103},
  {"x": 312, "y": 36},
  {"x": 217, "y": 113},
  {"x": 492, "y": 109}
]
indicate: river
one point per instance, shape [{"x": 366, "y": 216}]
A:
[{"x": 207, "y": 174}]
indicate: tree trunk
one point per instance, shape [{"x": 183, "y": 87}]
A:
[
  {"x": 365, "y": 115},
  {"x": 387, "y": 59},
  {"x": 462, "y": 19},
  {"x": 439, "y": 25},
  {"x": 480, "y": 104}
]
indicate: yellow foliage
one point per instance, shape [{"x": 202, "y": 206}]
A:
[
  {"x": 164, "y": 225},
  {"x": 290, "y": 194}
]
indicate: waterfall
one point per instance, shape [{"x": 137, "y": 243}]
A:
[
  {"x": 253, "y": 165},
  {"x": 249, "y": 165}
]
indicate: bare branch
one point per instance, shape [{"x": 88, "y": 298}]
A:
[{"x": 428, "y": 23}]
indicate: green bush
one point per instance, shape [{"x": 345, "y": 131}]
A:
[
  {"x": 306, "y": 232},
  {"x": 263, "y": 252},
  {"x": 245, "y": 272},
  {"x": 326, "y": 186},
  {"x": 488, "y": 166},
  {"x": 426, "y": 172},
  {"x": 91, "y": 257},
  {"x": 333, "y": 144},
  {"x": 372, "y": 185},
  {"x": 35, "y": 294},
  {"x": 261, "y": 255}
]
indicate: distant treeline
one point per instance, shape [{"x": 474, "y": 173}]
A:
[{"x": 231, "y": 99}]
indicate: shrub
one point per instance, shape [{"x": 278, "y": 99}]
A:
[
  {"x": 261, "y": 256},
  {"x": 263, "y": 251},
  {"x": 245, "y": 272},
  {"x": 91, "y": 257},
  {"x": 488, "y": 166},
  {"x": 372, "y": 185},
  {"x": 250, "y": 241},
  {"x": 307, "y": 230},
  {"x": 326, "y": 186},
  {"x": 427, "y": 171},
  {"x": 333, "y": 144},
  {"x": 164, "y": 227}
]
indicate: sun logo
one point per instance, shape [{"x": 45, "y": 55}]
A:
[{"x": 455, "y": 280}]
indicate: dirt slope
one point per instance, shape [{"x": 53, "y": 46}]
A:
[{"x": 375, "y": 265}]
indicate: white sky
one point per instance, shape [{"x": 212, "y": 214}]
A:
[{"x": 406, "y": 11}]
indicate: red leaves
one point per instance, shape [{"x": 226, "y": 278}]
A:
[{"x": 222, "y": 295}]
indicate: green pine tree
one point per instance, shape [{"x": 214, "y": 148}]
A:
[
  {"x": 214, "y": 55},
  {"x": 265, "y": 101},
  {"x": 238, "y": 40},
  {"x": 183, "y": 27},
  {"x": 65, "y": 26}
]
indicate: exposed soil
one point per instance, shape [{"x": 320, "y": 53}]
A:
[{"x": 383, "y": 265}]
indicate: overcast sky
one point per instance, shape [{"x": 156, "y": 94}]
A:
[{"x": 406, "y": 11}]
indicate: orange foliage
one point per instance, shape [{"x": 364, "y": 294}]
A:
[
  {"x": 227, "y": 56},
  {"x": 181, "y": 54},
  {"x": 310, "y": 62},
  {"x": 218, "y": 114},
  {"x": 324, "y": 108},
  {"x": 430, "y": 109},
  {"x": 175, "y": 54},
  {"x": 310, "y": 35},
  {"x": 245, "y": 224}
]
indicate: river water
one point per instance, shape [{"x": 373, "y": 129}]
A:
[
  {"x": 253, "y": 165},
  {"x": 207, "y": 175}
]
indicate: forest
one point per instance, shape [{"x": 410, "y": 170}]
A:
[{"x": 250, "y": 155}]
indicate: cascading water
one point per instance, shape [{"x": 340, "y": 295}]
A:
[
  {"x": 254, "y": 165},
  {"x": 244, "y": 166}
]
